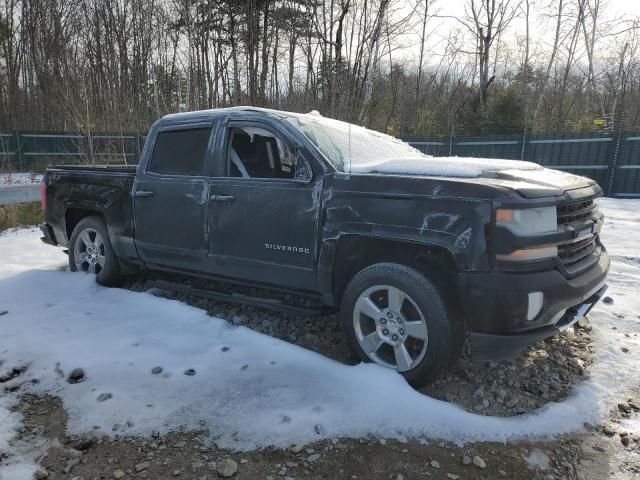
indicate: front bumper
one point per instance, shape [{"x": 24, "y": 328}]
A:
[
  {"x": 496, "y": 303},
  {"x": 486, "y": 346}
]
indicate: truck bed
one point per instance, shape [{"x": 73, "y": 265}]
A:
[
  {"x": 130, "y": 169},
  {"x": 74, "y": 190}
]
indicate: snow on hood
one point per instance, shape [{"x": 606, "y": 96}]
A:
[
  {"x": 355, "y": 149},
  {"x": 443, "y": 166}
]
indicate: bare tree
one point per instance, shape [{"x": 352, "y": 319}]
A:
[
  {"x": 487, "y": 20},
  {"x": 116, "y": 65},
  {"x": 552, "y": 57},
  {"x": 422, "y": 8}
]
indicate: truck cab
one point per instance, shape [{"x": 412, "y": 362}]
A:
[{"x": 251, "y": 178}]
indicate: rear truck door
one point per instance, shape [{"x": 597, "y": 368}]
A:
[
  {"x": 170, "y": 197},
  {"x": 264, "y": 206}
]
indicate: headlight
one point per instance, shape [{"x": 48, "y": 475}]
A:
[{"x": 528, "y": 221}]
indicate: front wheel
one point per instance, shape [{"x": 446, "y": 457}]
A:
[
  {"x": 394, "y": 316},
  {"x": 90, "y": 251}
]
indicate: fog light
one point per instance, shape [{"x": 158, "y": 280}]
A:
[{"x": 535, "y": 304}]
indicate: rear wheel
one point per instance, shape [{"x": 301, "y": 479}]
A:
[
  {"x": 394, "y": 316},
  {"x": 90, "y": 251}
]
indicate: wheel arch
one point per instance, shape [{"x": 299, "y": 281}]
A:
[
  {"x": 73, "y": 216},
  {"x": 354, "y": 252}
]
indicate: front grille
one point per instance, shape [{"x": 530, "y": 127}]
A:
[
  {"x": 580, "y": 254},
  {"x": 572, "y": 253},
  {"x": 575, "y": 211}
]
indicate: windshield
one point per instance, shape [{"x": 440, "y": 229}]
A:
[
  {"x": 350, "y": 147},
  {"x": 354, "y": 149}
]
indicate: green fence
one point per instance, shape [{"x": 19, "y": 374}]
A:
[
  {"x": 33, "y": 151},
  {"x": 613, "y": 160}
]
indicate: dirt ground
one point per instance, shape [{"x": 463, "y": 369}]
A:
[{"x": 596, "y": 454}]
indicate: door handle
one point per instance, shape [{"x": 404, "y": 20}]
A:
[
  {"x": 222, "y": 198},
  {"x": 144, "y": 193}
]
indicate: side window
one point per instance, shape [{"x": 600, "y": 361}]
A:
[
  {"x": 180, "y": 152},
  {"x": 255, "y": 152}
]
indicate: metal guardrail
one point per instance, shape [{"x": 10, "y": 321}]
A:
[{"x": 11, "y": 194}]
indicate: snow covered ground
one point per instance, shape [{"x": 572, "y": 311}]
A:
[
  {"x": 22, "y": 250},
  {"x": 19, "y": 178},
  {"x": 253, "y": 390}
]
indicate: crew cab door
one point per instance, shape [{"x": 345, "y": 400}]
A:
[
  {"x": 263, "y": 207},
  {"x": 170, "y": 198}
]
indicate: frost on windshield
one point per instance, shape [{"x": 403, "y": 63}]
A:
[{"x": 355, "y": 149}]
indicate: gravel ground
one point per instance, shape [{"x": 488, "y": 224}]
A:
[
  {"x": 605, "y": 451},
  {"x": 542, "y": 373}
]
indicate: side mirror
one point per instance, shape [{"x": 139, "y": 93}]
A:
[{"x": 304, "y": 172}]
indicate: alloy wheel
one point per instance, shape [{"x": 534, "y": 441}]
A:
[
  {"x": 390, "y": 327},
  {"x": 88, "y": 252}
]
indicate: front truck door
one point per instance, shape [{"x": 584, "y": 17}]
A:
[
  {"x": 170, "y": 198},
  {"x": 263, "y": 214}
]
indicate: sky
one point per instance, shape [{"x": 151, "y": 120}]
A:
[
  {"x": 627, "y": 7},
  {"x": 541, "y": 28}
]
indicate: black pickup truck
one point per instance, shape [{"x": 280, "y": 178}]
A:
[{"x": 418, "y": 253}]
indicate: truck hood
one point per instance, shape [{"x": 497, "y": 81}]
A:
[
  {"x": 542, "y": 182},
  {"x": 440, "y": 166},
  {"x": 526, "y": 178}
]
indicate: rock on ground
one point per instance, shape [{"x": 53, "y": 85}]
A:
[
  {"x": 479, "y": 462},
  {"x": 227, "y": 468},
  {"x": 77, "y": 375}
]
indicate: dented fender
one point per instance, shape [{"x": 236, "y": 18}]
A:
[{"x": 432, "y": 213}]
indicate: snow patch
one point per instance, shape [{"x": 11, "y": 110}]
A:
[
  {"x": 538, "y": 459},
  {"x": 9, "y": 423},
  {"x": 20, "y": 178},
  {"x": 630, "y": 425},
  {"x": 22, "y": 249},
  {"x": 18, "y": 469},
  {"x": 442, "y": 166},
  {"x": 21, "y": 464}
]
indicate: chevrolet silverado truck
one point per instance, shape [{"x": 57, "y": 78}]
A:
[{"x": 418, "y": 254}]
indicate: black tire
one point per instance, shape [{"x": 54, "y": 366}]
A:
[
  {"x": 445, "y": 332},
  {"x": 107, "y": 274}
]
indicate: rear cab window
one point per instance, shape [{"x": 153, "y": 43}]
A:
[{"x": 180, "y": 152}]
